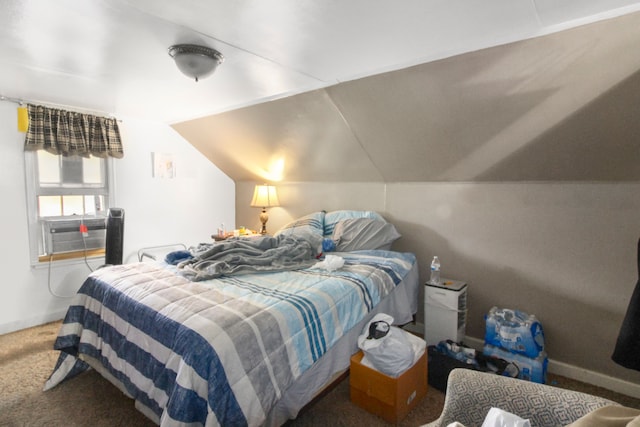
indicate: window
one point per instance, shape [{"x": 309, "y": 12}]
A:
[
  {"x": 65, "y": 193},
  {"x": 68, "y": 167}
]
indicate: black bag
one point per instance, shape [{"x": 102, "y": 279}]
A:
[
  {"x": 627, "y": 349},
  {"x": 441, "y": 364}
]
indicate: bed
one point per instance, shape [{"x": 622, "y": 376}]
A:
[{"x": 247, "y": 348}]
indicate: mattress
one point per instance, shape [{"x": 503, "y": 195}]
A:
[{"x": 240, "y": 350}]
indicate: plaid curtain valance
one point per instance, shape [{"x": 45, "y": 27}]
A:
[{"x": 69, "y": 133}]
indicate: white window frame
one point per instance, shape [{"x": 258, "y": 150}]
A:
[{"x": 34, "y": 190}]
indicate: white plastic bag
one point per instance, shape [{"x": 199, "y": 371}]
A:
[{"x": 393, "y": 353}]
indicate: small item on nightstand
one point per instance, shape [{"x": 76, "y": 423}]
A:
[{"x": 435, "y": 271}]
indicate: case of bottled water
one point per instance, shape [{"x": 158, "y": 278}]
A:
[
  {"x": 529, "y": 368},
  {"x": 514, "y": 331}
]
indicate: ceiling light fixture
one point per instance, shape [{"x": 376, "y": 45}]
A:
[{"x": 195, "y": 61}]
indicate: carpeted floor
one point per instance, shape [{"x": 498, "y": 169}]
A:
[{"x": 27, "y": 359}]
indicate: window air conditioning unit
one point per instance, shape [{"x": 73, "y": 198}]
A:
[{"x": 64, "y": 235}]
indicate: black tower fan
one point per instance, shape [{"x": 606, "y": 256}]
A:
[{"x": 115, "y": 237}]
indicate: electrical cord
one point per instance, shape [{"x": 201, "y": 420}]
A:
[
  {"x": 84, "y": 242},
  {"x": 49, "y": 281}
]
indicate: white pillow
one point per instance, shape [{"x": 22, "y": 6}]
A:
[
  {"x": 364, "y": 233},
  {"x": 331, "y": 219}
]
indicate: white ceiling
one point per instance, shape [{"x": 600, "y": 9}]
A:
[{"x": 111, "y": 56}]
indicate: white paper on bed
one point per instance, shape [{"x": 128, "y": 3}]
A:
[{"x": 330, "y": 263}]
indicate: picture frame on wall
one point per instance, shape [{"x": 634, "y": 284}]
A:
[{"x": 164, "y": 165}]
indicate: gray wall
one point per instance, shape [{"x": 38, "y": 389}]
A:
[{"x": 565, "y": 252}]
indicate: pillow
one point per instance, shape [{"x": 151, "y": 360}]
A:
[
  {"x": 364, "y": 233},
  {"x": 332, "y": 218},
  {"x": 311, "y": 224}
]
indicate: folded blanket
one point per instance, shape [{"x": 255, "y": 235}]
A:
[{"x": 248, "y": 255}]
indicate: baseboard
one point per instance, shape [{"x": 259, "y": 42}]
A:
[
  {"x": 590, "y": 377},
  {"x": 6, "y": 328},
  {"x": 560, "y": 368}
]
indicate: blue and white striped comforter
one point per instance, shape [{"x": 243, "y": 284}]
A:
[{"x": 218, "y": 352}]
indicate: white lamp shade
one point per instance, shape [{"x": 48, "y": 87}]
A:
[{"x": 265, "y": 196}]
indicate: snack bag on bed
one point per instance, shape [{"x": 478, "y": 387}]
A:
[{"x": 389, "y": 349}]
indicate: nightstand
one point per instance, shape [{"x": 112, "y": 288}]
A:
[{"x": 445, "y": 311}]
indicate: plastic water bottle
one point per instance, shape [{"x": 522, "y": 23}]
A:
[{"x": 435, "y": 271}]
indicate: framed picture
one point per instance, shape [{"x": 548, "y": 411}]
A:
[{"x": 164, "y": 165}]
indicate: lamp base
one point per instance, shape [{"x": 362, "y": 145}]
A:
[{"x": 264, "y": 217}]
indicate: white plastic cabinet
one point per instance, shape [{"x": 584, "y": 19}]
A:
[{"x": 445, "y": 311}]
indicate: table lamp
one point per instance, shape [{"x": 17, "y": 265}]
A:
[{"x": 264, "y": 196}]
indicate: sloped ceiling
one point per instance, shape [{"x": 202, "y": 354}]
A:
[{"x": 560, "y": 107}]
